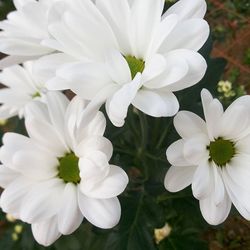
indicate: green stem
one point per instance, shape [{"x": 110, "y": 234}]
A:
[
  {"x": 171, "y": 197},
  {"x": 152, "y": 157},
  {"x": 164, "y": 134},
  {"x": 144, "y": 129}
]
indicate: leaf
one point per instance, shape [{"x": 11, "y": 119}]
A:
[{"x": 140, "y": 216}]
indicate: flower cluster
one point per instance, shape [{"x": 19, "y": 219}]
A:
[{"x": 118, "y": 53}]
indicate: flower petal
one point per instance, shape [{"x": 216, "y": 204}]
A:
[
  {"x": 118, "y": 68},
  {"x": 193, "y": 124},
  {"x": 7, "y": 176},
  {"x": 12, "y": 197},
  {"x": 42, "y": 201},
  {"x": 202, "y": 181},
  {"x": 46, "y": 232},
  {"x": 239, "y": 197},
  {"x": 117, "y": 13},
  {"x": 111, "y": 186},
  {"x": 178, "y": 178},
  {"x": 35, "y": 165},
  {"x": 186, "y": 9},
  {"x": 213, "y": 214},
  {"x": 175, "y": 154},
  {"x": 162, "y": 104},
  {"x": 102, "y": 213},
  {"x": 69, "y": 215},
  {"x": 182, "y": 37},
  {"x": 195, "y": 149},
  {"x": 117, "y": 106},
  {"x": 94, "y": 143}
]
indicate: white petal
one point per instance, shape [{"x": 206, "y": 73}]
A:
[
  {"x": 175, "y": 70},
  {"x": 175, "y": 154},
  {"x": 46, "y": 232},
  {"x": 213, "y": 214},
  {"x": 118, "y": 68},
  {"x": 94, "y": 143},
  {"x": 36, "y": 165},
  {"x": 219, "y": 188},
  {"x": 193, "y": 124},
  {"x": 94, "y": 167},
  {"x": 239, "y": 197},
  {"x": 46, "y": 135},
  {"x": 178, "y": 178},
  {"x": 92, "y": 127},
  {"x": 86, "y": 79},
  {"x": 13, "y": 195},
  {"x": 111, "y": 186},
  {"x": 202, "y": 183},
  {"x": 213, "y": 112},
  {"x": 231, "y": 127},
  {"x": 20, "y": 3},
  {"x": 22, "y": 48},
  {"x": 243, "y": 145},
  {"x": 190, "y": 34},
  {"x": 188, "y": 9},
  {"x": 163, "y": 30},
  {"x": 42, "y": 201},
  {"x": 197, "y": 67},
  {"x": 7, "y": 176},
  {"x": 57, "y": 106},
  {"x": 117, "y": 106},
  {"x": 102, "y": 213},
  {"x": 162, "y": 103},
  {"x": 117, "y": 12},
  {"x": 238, "y": 170},
  {"x": 145, "y": 16},
  {"x": 45, "y": 67},
  {"x": 14, "y": 60},
  {"x": 69, "y": 216},
  {"x": 153, "y": 67},
  {"x": 195, "y": 149}
]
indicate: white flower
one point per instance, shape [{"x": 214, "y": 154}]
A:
[
  {"x": 61, "y": 173},
  {"x": 24, "y": 30},
  {"x": 125, "y": 52},
  {"x": 23, "y": 87},
  {"x": 214, "y": 157}
]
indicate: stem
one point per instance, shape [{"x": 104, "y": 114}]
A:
[
  {"x": 144, "y": 130},
  {"x": 152, "y": 157},
  {"x": 171, "y": 197},
  {"x": 163, "y": 135}
]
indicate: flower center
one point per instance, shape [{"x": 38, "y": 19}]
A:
[
  {"x": 135, "y": 65},
  {"x": 68, "y": 168},
  {"x": 37, "y": 94},
  {"x": 221, "y": 151}
]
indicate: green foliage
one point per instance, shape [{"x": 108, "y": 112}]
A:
[
  {"x": 247, "y": 57},
  {"x": 5, "y": 7}
]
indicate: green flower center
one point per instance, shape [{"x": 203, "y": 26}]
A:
[
  {"x": 37, "y": 94},
  {"x": 135, "y": 65},
  {"x": 221, "y": 151},
  {"x": 68, "y": 168}
]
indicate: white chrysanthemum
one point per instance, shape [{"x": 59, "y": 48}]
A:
[
  {"x": 125, "y": 52},
  {"x": 214, "y": 157},
  {"x": 24, "y": 29},
  {"x": 61, "y": 173},
  {"x": 22, "y": 87}
]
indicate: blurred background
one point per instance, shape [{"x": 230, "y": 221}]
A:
[{"x": 230, "y": 30}]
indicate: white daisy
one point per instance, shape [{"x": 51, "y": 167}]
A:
[
  {"x": 24, "y": 29},
  {"x": 125, "y": 52},
  {"x": 60, "y": 174},
  {"x": 22, "y": 87},
  {"x": 214, "y": 157}
]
